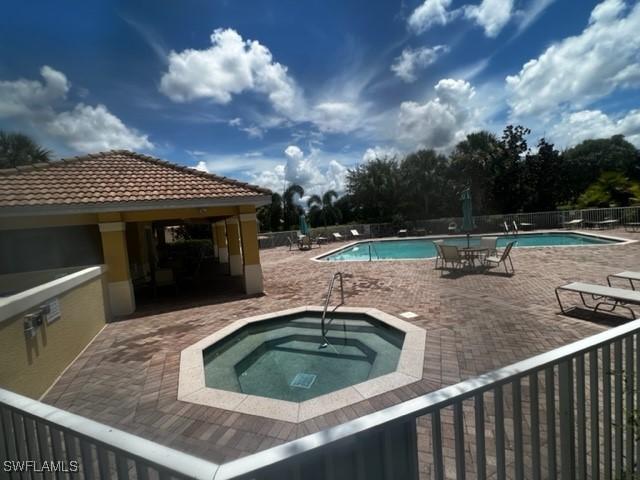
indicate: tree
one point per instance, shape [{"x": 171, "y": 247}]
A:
[
  {"x": 423, "y": 179},
  {"x": 542, "y": 179},
  {"x": 375, "y": 189},
  {"x": 270, "y": 216},
  {"x": 585, "y": 162},
  {"x": 471, "y": 162},
  {"x": 612, "y": 189},
  {"x": 507, "y": 170},
  {"x": 292, "y": 210},
  {"x": 17, "y": 149},
  {"x": 322, "y": 209}
]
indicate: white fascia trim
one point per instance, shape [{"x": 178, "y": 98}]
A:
[{"x": 257, "y": 200}]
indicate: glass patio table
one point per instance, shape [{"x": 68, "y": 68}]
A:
[{"x": 471, "y": 254}]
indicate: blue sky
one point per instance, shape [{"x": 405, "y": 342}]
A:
[{"x": 288, "y": 91}]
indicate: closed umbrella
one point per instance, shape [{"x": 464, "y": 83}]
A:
[
  {"x": 467, "y": 216},
  {"x": 304, "y": 228}
]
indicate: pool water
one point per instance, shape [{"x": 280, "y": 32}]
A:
[
  {"x": 425, "y": 248},
  {"x": 282, "y": 359}
]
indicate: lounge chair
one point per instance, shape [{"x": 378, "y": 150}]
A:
[
  {"x": 626, "y": 275},
  {"x": 439, "y": 256},
  {"x": 355, "y": 234},
  {"x": 609, "y": 296},
  {"x": 337, "y": 237},
  {"x": 576, "y": 222},
  {"x": 491, "y": 244},
  {"x": 523, "y": 225},
  {"x": 507, "y": 230},
  {"x": 515, "y": 227},
  {"x": 451, "y": 255},
  {"x": 605, "y": 224},
  {"x": 452, "y": 228},
  {"x": 403, "y": 232},
  {"x": 496, "y": 260},
  {"x": 632, "y": 226}
]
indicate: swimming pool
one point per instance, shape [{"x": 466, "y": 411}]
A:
[{"x": 425, "y": 248}]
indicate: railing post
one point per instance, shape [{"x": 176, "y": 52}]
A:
[{"x": 567, "y": 434}]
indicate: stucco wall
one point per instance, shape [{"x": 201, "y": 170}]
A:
[{"x": 30, "y": 366}]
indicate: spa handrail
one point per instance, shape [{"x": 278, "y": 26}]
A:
[{"x": 326, "y": 305}]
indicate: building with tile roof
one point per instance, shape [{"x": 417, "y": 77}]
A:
[{"x": 111, "y": 208}]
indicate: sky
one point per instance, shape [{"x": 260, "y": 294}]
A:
[{"x": 286, "y": 91}]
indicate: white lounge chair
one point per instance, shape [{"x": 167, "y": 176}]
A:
[
  {"x": 626, "y": 275},
  {"x": 491, "y": 244},
  {"x": 612, "y": 297},
  {"x": 452, "y": 228},
  {"x": 403, "y": 232},
  {"x": 337, "y": 236},
  {"x": 355, "y": 234},
  {"x": 496, "y": 260},
  {"x": 507, "y": 230},
  {"x": 576, "y": 222}
]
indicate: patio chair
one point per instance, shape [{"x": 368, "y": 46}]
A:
[
  {"x": 612, "y": 297},
  {"x": 507, "y": 230},
  {"x": 491, "y": 244},
  {"x": 337, "y": 236},
  {"x": 451, "y": 255},
  {"x": 515, "y": 227},
  {"x": 355, "y": 233},
  {"x": 452, "y": 228},
  {"x": 496, "y": 260},
  {"x": 576, "y": 222},
  {"x": 439, "y": 256}
]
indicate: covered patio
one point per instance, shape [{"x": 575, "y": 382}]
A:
[{"x": 112, "y": 208}]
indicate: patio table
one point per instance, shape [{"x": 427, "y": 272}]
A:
[{"x": 471, "y": 254}]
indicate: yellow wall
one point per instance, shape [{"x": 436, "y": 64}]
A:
[
  {"x": 31, "y": 366},
  {"x": 114, "y": 248},
  {"x": 250, "y": 249}
]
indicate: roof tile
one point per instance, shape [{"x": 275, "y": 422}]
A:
[{"x": 113, "y": 177}]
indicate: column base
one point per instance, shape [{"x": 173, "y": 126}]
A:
[
  {"x": 235, "y": 265},
  {"x": 121, "y": 297},
  {"x": 253, "y": 279},
  {"x": 223, "y": 255}
]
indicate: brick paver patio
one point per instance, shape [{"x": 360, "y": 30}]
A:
[{"x": 128, "y": 376}]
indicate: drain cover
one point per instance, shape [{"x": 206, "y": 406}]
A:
[{"x": 303, "y": 380}]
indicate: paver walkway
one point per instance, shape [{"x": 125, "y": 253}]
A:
[{"x": 128, "y": 377}]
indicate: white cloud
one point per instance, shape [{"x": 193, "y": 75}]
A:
[
  {"x": 202, "y": 167},
  {"x": 336, "y": 117},
  {"x": 583, "y": 68},
  {"x": 406, "y": 66},
  {"x": 492, "y": 15},
  {"x": 91, "y": 129},
  {"x": 585, "y": 124},
  {"x": 430, "y": 13},
  {"x": 84, "y": 128},
  {"x": 27, "y": 97},
  {"x": 308, "y": 171},
  {"x": 230, "y": 66},
  {"x": 380, "y": 152},
  {"x": 440, "y": 122},
  {"x": 527, "y": 17}
]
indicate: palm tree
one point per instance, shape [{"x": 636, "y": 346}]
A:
[
  {"x": 324, "y": 208},
  {"x": 292, "y": 210},
  {"x": 18, "y": 149}
]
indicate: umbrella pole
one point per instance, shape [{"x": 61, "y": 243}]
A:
[{"x": 468, "y": 239}]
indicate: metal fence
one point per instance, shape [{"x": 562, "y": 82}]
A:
[
  {"x": 483, "y": 224},
  {"x": 568, "y": 413}
]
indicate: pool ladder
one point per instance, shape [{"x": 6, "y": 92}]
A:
[{"x": 323, "y": 330}]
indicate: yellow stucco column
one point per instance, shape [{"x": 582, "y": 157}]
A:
[
  {"x": 233, "y": 243},
  {"x": 114, "y": 249},
  {"x": 221, "y": 241},
  {"x": 251, "y": 253}
]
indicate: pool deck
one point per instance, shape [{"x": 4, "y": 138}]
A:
[{"x": 128, "y": 377}]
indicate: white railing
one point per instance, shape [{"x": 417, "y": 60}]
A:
[
  {"x": 484, "y": 223},
  {"x": 568, "y": 413}
]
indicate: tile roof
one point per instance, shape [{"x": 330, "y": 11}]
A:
[{"x": 114, "y": 177}]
